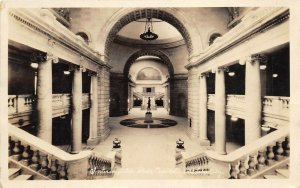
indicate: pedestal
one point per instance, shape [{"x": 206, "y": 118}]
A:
[{"x": 148, "y": 117}]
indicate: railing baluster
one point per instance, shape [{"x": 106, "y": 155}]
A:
[
  {"x": 252, "y": 163},
  {"x": 233, "y": 171},
  {"x": 261, "y": 160},
  {"x": 44, "y": 164},
  {"x": 242, "y": 169},
  {"x": 17, "y": 151},
  {"x": 286, "y": 147},
  {"x": 270, "y": 156},
  {"x": 62, "y": 172},
  {"x": 279, "y": 151},
  {"x": 35, "y": 165}
]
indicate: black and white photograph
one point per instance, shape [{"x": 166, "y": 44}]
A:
[{"x": 150, "y": 93}]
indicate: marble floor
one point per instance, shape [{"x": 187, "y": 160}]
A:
[{"x": 150, "y": 153}]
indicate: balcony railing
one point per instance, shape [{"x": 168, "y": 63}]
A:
[
  {"x": 21, "y": 107},
  {"x": 272, "y": 106}
]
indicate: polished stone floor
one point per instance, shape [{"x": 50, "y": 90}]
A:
[{"x": 150, "y": 153}]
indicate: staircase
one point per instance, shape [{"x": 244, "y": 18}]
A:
[
  {"x": 265, "y": 158},
  {"x": 31, "y": 158},
  {"x": 280, "y": 173},
  {"x": 16, "y": 174}
]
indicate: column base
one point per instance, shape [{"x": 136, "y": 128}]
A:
[
  {"x": 204, "y": 142},
  {"x": 93, "y": 141}
]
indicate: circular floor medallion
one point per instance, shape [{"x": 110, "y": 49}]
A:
[{"x": 157, "y": 123}]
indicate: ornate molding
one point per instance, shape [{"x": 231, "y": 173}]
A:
[
  {"x": 33, "y": 21},
  {"x": 252, "y": 25}
]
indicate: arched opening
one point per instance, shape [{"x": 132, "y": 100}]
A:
[
  {"x": 84, "y": 36},
  {"x": 162, "y": 14},
  {"x": 213, "y": 37}
]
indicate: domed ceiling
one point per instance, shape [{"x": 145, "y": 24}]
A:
[{"x": 165, "y": 31}]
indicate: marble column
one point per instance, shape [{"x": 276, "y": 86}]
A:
[
  {"x": 253, "y": 101},
  {"x": 44, "y": 97},
  {"x": 220, "y": 117},
  {"x": 93, "y": 138},
  {"x": 76, "y": 123},
  {"x": 203, "y": 111}
]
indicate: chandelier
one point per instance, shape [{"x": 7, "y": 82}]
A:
[{"x": 148, "y": 32}]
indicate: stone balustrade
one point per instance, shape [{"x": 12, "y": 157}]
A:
[
  {"x": 255, "y": 159},
  {"x": 198, "y": 165},
  {"x": 273, "y": 106},
  {"x": 100, "y": 166},
  {"x": 44, "y": 159},
  {"x": 276, "y": 106},
  {"x": 21, "y": 107}
]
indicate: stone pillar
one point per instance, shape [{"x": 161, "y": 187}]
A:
[
  {"x": 103, "y": 103},
  {"x": 193, "y": 100},
  {"x": 131, "y": 98},
  {"x": 44, "y": 96},
  {"x": 220, "y": 117},
  {"x": 93, "y": 138},
  {"x": 76, "y": 122},
  {"x": 203, "y": 111},
  {"x": 166, "y": 98},
  {"x": 253, "y": 101}
]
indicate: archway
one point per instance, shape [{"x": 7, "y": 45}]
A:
[
  {"x": 170, "y": 15},
  {"x": 157, "y": 53}
]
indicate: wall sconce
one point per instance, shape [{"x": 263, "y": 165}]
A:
[
  {"x": 263, "y": 67},
  {"x": 231, "y": 73},
  {"x": 275, "y": 75},
  {"x": 67, "y": 72},
  {"x": 34, "y": 65},
  {"x": 265, "y": 128},
  {"x": 234, "y": 118}
]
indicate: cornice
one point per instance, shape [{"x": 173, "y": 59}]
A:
[
  {"x": 44, "y": 22},
  {"x": 253, "y": 24}
]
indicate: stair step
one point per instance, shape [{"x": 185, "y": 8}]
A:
[
  {"x": 23, "y": 177},
  {"x": 278, "y": 176},
  {"x": 13, "y": 172},
  {"x": 283, "y": 172}
]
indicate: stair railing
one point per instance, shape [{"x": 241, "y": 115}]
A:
[
  {"x": 254, "y": 159},
  {"x": 50, "y": 161}
]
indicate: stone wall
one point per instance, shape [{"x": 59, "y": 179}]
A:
[
  {"x": 119, "y": 95},
  {"x": 193, "y": 95},
  {"x": 179, "y": 95},
  {"x": 103, "y": 104}
]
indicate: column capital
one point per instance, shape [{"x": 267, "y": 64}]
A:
[
  {"x": 253, "y": 58},
  {"x": 40, "y": 57},
  {"x": 223, "y": 69},
  {"x": 204, "y": 74},
  {"x": 82, "y": 63},
  {"x": 92, "y": 73}
]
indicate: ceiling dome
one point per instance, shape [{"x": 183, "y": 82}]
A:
[{"x": 165, "y": 31}]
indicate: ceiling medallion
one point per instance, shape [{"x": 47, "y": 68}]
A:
[{"x": 148, "y": 32}]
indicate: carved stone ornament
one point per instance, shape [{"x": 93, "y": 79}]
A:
[
  {"x": 38, "y": 57},
  {"x": 259, "y": 58}
]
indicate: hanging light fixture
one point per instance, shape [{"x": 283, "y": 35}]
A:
[{"x": 148, "y": 32}]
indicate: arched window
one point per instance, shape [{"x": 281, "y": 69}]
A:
[
  {"x": 84, "y": 36},
  {"x": 213, "y": 37}
]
